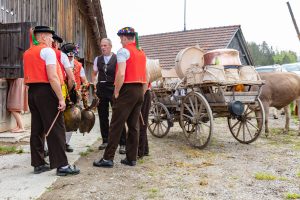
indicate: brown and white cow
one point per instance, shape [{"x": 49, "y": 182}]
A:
[{"x": 280, "y": 89}]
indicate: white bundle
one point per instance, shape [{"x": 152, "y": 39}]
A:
[{"x": 153, "y": 69}]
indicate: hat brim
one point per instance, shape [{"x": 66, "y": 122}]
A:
[
  {"x": 44, "y": 31},
  {"x": 57, "y": 38},
  {"x": 126, "y": 34}
]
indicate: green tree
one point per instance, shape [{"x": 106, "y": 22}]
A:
[
  {"x": 263, "y": 54},
  {"x": 284, "y": 57}
]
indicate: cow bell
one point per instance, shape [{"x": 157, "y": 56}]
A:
[
  {"x": 87, "y": 121},
  {"x": 72, "y": 117}
]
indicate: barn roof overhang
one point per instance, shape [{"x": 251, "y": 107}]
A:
[{"x": 96, "y": 20}]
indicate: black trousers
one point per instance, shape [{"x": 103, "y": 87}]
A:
[
  {"x": 103, "y": 112},
  {"x": 43, "y": 105},
  {"x": 126, "y": 109},
  {"x": 143, "y": 140}
]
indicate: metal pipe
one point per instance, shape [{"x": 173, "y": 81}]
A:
[
  {"x": 294, "y": 21},
  {"x": 184, "y": 28}
]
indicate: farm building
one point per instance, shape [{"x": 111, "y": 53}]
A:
[{"x": 165, "y": 46}]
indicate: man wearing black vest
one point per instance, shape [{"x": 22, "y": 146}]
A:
[{"x": 105, "y": 67}]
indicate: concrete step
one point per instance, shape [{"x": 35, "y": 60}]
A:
[{"x": 13, "y": 137}]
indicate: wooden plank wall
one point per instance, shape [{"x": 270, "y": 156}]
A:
[
  {"x": 40, "y": 11},
  {"x": 68, "y": 17}
]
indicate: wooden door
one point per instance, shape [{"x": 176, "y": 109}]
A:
[{"x": 14, "y": 40}]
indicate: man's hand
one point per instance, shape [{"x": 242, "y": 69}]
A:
[
  {"x": 61, "y": 105},
  {"x": 116, "y": 94}
]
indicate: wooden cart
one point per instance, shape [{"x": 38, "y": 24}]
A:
[{"x": 195, "y": 106}]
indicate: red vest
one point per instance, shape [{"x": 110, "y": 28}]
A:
[
  {"x": 135, "y": 66},
  {"x": 76, "y": 72},
  {"x": 35, "y": 67},
  {"x": 58, "y": 56}
]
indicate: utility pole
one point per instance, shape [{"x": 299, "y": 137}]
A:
[
  {"x": 294, "y": 21},
  {"x": 184, "y": 28}
]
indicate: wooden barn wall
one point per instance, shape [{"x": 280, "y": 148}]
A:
[
  {"x": 39, "y": 11},
  {"x": 68, "y": 17},
  {"x": 73, "y": 26}
]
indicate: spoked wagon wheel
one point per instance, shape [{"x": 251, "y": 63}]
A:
[
  {"x": 196, "y": 120},
  {"x": 247, "y": 127},
  {"x": 159, "y": 120}
]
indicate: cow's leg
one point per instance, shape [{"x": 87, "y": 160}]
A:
[
  {"x": 275, "y": 113},
  {"x": 287, "y": 120},
  {"x": 298, "y": 106},
  {"x": 266, "y": 108}
]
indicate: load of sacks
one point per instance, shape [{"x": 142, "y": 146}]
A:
[
  {"x": 193, "y": 66},
  {"x": 220, "y": 65}
]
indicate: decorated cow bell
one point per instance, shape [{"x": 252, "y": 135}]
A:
[
  {"x": 87, "y": 115},
  {"x": 72, "y": 117},
  {"x": 87, "y": 121}
]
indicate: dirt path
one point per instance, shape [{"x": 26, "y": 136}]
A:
[{"x": 226, "y": 169}]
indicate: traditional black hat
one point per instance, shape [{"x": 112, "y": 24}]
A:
[
  {"x": 57, "y": 38},
  {"x": 126, "y": 31},
  {"x": 68, "y": 47},
  {"x": 43, "y": 29}
]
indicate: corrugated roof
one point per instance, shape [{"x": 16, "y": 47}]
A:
[{"x": 165, "y": 46}]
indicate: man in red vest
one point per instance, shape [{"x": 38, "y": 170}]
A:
[
  {"x": 44, "y": 77},
  {"x": 68, "y": 77},
  {"x": 63, "y": 61},
  {"x": 130, "y": 85}
]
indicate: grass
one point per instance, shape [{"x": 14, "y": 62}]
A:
[
  {"x": 295, "y": 119},
  {"x": 49, "y": 189},
  {"x": 85, "y": 153},
  {"x": 296, "y": 146},
  {"x": 151, "y": 174},
  {"x": 153, "y": 193},
  {"x": 19, "y": 151},
  {"x": 196, "y": 153},
  {"x": 292, "y": 196},
  {"x": 282, "y": 178},
  {"x": 268, "y": 177},
  {"x": 298, "y": 174},
  {"x": 265, "y": 176},
  {"x": 10, "y": 149},
  {"x": 275, "y": 131},
  {"x": 141, "y": 161}
]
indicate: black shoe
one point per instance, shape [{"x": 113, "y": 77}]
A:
[
  {"x": 41, "y": 168},
  {"x": 46, "y": 153},
  {"x": 122, "y": 149},
  {"x": 128, "y": 162},
  {"x": 102, "y": 146},
  {"x": 69, "y": 148},
  {"x": 68, "y": 171},
  {"x": 103, "y": 163}
]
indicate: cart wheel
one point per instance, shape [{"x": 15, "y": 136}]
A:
[
  {"x": 247, "y": 127},
  {"x": 196, "y": 120},
  {"x": 159, "y": 120},
  {"x": 188, "y": 126}
]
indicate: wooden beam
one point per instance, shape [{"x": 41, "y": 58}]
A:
[{"x": 93, "y": 19}]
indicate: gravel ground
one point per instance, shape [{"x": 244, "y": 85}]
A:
[{"x": 225, "y": 169}]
